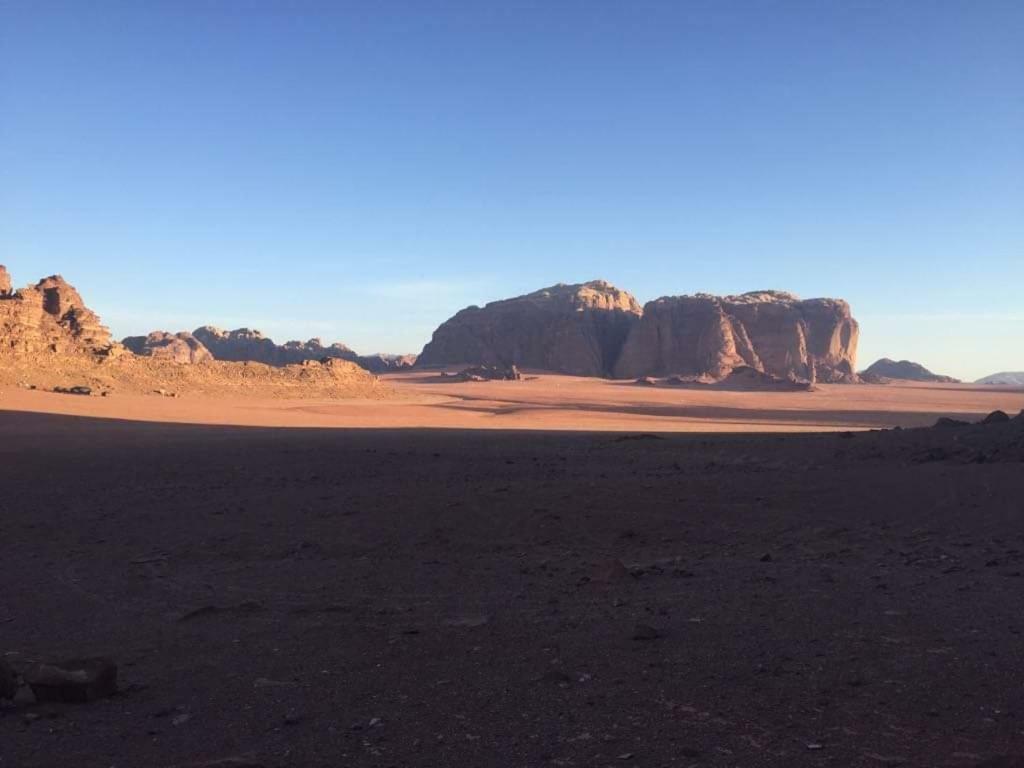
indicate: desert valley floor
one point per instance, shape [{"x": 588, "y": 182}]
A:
[{"x": 536, "y": 573}]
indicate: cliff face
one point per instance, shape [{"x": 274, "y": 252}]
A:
[
  {"x": 247, "y": 345},
  {"x": 574, "y": 329},
  {"x": 770, "y": 331},
  {"x": 48, "y": 318},
  {"x": 176, "y": 347}
]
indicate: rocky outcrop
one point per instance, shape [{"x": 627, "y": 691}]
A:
[
  {"x": 1004, "y": 379},
  {"x": 574, "y": 329},
  {"x": 248, "y": 345},
  {"x": 772, "y": 332},
  {"x": 179, "y": 348},
  {"x": 905, "y": 370},
  {"x": 383, "y": 363},
  {"x": 48, "y": 318}
]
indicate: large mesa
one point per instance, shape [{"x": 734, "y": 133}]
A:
[
  {"x": 770, "y": 331},
  {"x": 574, "y": 329}
]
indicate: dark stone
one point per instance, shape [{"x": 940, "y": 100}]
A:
[
  {"x": 8, "y": 681},
  {"x": 645, "y": 632},
  {"x": 76, "y": 390},
  {"x": 74, "y": 680},
  {"x": 996, "y": 417},
  {"x": 945, "y": 422}
]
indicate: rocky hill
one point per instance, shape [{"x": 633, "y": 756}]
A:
[
  {"x": 574, "y": 329},
  {"x": 248, "y": 345},
  {"x": 48, "y": 318},
  {"x": 50, "y": 339},
  {"x": 182, "y": 348},
  {"x": 770, "y": 331},
  {"x": 1005, "y": 378},
  {"x": 904, "y": 370}
]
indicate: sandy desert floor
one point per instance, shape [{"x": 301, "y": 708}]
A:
[
  {"x": 455, "y": 597},
  {"x": 550, "y": 402}
]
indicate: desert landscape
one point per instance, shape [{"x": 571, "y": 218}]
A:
[
  {"x": 511, "y": 384},
  {"x": 739, "y": 552}
]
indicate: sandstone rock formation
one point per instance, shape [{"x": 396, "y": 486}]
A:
[
  {"x": 48, "y": 318},
  {"x": 382, "y": 363},
  {"x": 180, "y": 347},
  {"x": 248, "y": 345},
  {"x": 575, "y": 329},
  {"x": 884, "y": 369},
  {"x": 50, "y": 340},
  {"x": 772, "y": 332}
]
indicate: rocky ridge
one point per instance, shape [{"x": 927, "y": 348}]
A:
[{"x": 50, "y": 339}]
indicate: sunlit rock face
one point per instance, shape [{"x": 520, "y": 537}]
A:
[
  {"x": 48, "y": 317},
  {"x": 770, "y": 331},
  {"x": 574, "y": 329}
]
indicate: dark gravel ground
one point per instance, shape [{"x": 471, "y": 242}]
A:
[{"x": 442, "y": 598}]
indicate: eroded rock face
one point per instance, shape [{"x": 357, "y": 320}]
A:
[
  {"x": 382, "y": 363},
  {"x": 248, "y": 345},
  {"x": 885, "y": 368},
  {"x": 180, "y": 347},
  {"x": 48, "y": 317},
  {"x": 575, "y": 329},
  {"x": 770, "y": 331}
]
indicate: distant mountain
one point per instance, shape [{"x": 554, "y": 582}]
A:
[
  {"x": 905, "y": 370},
  {"x": 1006, "y": 378}
]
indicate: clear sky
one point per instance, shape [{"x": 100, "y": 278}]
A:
[{"x": 361, "y": 170}]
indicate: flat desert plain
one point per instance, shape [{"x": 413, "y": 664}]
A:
[
  {"x": 554, "y": 402},
  {"x": 573, "y": 586}
]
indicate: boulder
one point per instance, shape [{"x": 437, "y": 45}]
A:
[
  {"x": 8, "y": 680},
  {"x": 996, "y": 417},
  {"x": 5, "y": 281},
  {"x": 179, "y": 348},
  {"x": 772, "y": 332},
  {"x": 74, "y": 680},
  {"x": 575, "y": 329},
  {"x": 489, "y": 373},
  {"x": 903, "y": 370}
]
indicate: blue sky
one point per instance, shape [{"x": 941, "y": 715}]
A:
[{"x": 360, "y": 171}]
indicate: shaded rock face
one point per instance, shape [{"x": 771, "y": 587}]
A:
[
  {"x": 574, "y": 329},
  {"x": 245, "y": 345},
  {"x": 770, "y": 331},
  {"x": 382, "y": 363},
  {"x": 48, "y": 317},
  {"x": 248, "y": 345},
  {"x": 904, "y": 370},
  {"x": 177, "y": 347}
]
